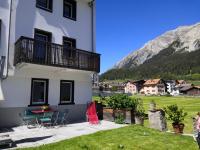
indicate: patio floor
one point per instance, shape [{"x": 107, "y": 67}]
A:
[{"x": 24, "y": 137}]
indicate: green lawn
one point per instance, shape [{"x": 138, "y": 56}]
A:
[
  {"x": 189, "y": 104},
  {"x": 128, "y": 138}
]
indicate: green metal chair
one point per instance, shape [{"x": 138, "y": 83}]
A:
[
  {"x": 46, "y": 119},
  {"x": 28, "y": 118}
]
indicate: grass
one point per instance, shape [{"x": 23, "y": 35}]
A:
[
  {"x": 127, "y": 138},
  {"x": 190, "y": 105}
]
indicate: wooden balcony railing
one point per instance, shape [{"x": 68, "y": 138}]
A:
[{"x": 29, "y": 50}]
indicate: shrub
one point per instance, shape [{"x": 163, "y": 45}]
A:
[
  {"x": 175, "y": 114},
  {"x": 119, "y": 119},
  {"x": 139, "y": 109},
  {"x": 121, "y": 101}
]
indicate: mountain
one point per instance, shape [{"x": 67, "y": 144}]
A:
[
  {"x": 174, "y": 54},
  {"x": 188, "y": 36}
]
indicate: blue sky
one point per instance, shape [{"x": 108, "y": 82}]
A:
[{"x": 125, "y": 25}]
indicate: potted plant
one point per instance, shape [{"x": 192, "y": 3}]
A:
[
  {"x": 177, "y": 117},
  {"x": 139, "y": 112}
]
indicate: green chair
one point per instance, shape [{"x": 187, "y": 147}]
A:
[
  {"x": 46, "y": 119},
  {"x": 28, "y": 118}
]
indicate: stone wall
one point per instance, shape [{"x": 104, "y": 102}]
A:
[{"x": 157, "y": 119}]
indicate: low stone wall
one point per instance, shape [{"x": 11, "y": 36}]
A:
[{"x": 110, "y": 115}]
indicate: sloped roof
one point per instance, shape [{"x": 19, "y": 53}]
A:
[
  {"x": 152, "y": 82},
  {"x": 181, "y": 81},
  {"x": 186, "y": 88}
]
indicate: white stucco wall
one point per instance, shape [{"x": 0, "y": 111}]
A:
[
  {"x": 17, "y": 89},
  {"x": 26, "y": 17}
]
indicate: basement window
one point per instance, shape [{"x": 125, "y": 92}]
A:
[
  {"x": 69, "y": 9},
  {"x": 45, "y": 5}
]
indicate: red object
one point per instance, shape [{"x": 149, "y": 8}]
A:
[
  {"x": 92, "y": 114},
  {"x": 40, "y": 111}
]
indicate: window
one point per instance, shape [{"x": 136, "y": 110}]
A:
[
  {"x": 45, "y": 4},
  {"x": 69, "y": 52},
  {"x": 39, "y": 92},
  {"x": 66, "y": 92},
  {"x": 69, "y": 9},
  {"x": 42, "y": 38},
  {"x": 0, "y": 32}
]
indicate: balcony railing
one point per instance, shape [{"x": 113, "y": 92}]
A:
[{"x": 33, "y": 51}]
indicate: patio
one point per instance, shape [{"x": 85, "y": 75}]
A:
[{"x": 24, "y": 137}]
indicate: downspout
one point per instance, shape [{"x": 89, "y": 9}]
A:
[
  {"x": 9, "y": 32},
  {"x": 91, "y": 4}
]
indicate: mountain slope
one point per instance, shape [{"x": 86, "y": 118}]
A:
[
  {"x": 168, "y": 63},
  {"x": 188, "y": 37}
]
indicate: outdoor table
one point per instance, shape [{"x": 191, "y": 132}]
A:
[{"x": 41, "y": 111}]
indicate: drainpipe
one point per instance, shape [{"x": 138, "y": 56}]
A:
[
  {"x": 91, "y": 4},
  {"x": 9, "y": 32}
]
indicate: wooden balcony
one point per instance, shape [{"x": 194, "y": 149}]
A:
[{"x": 28, "y": 50}]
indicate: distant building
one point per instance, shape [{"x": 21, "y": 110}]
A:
[
  {"x": 182, "y": 87},
  {"x": 116, "y": 86},
  {"x": 154, "y": 87},
  {"x": 112, "y": 86},
  {"x": 133, "y": 87},
  {"x": 192, "y": 91},
  {"x": 171, "y": 87}
]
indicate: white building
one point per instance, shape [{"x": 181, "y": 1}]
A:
[
  {"x": 171, "y": 87},
  {"x": 49, "y": 51}
]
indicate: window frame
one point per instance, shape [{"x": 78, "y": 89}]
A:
[
  {"x": 70, "y": 40},
  {"x": 72, "y": 93},
  {"x": 50, "y": 6},
  {"x": 73, "y": 5},
  {"x": 0, "y": 31},
  {"x": 46, "y": 91}
]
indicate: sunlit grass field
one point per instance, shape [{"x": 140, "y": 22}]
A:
[{"x": 132, "y": 137}]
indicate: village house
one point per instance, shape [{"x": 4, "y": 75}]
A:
[
  {"x": 48, "y": 57},
  {"x": 191, "y": 90},
  {"x": 133, "y": 87},
  {"x": 171, "y": 87},
  {"x": 154, "y": 87}
]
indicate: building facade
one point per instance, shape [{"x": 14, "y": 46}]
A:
[
  {"x": 134, "y": 87},
  {"x": 48, "y": 56},
  {"x": 154, "y": 87}
]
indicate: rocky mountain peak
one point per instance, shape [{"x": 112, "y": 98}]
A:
[{"x": 187, "y": 36}]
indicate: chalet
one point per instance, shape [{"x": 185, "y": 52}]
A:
[
  {"x": 154, "y": 87},
  {"x": 191, "y": 90},
  {"x": 133, "y": 87}
]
